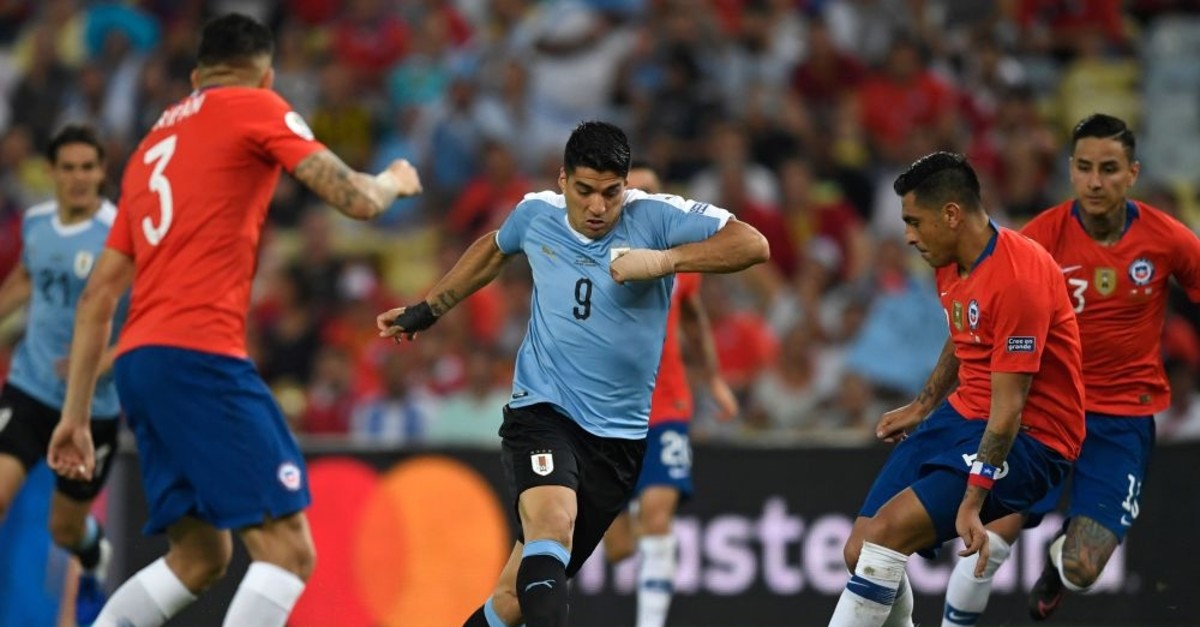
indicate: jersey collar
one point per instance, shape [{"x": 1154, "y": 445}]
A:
[
  {"x": 1131, "y": 214},
  {"x": 990, "y": 248}
]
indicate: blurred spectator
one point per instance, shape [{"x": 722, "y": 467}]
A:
[
  {"x": 288, "y": 331},
  {"x": 368, "y": 38},
  {"x": 401, "y": 413},
  {"x": 330, "y": 399},
  {"x": 489, "y": 196},
  {"x": 904, "y": 98},
  {"x": 785, "y": 397},
  {"x": 473, "y": 414}
]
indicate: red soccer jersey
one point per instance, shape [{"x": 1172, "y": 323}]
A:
[
  {"x": 672, "y": 398},
  {"x": 1119, "y": 294},
  {"x": 1010, "y": 314},
  {"x": 193, "y": 201}
]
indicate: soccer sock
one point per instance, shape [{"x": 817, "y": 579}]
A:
[
  {"x": 966, "y": 596},
  {"x": 265, "y": 597},
  {"x": 869, "y": 595},
  {"x": 656, "y": 579},
  {"x": 1056, "y": 549},
  {"x": 148, "y": 599},
  {"x": 542, "y": 583},
  {"x": 902, "y": 608},
  {"x": 88, "y": 550}
]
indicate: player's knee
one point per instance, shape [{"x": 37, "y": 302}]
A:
[
  {"x": 655, "y": 521},
  {"x": 851, "y": 551},
  {"x": 304, "y": 560},
  {"x": 66, "y": 531}
]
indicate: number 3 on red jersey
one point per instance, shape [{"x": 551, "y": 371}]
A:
[{"x": 160, "y": 155}]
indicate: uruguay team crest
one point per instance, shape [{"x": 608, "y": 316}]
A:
[
  {"x": 542, "y": 462},
  {"x": 1106, "y": 280},
  {"x": 1141, "y": 271},
  {"x": 973, "y": 314},
  {"x": 956, "y": 316},
  {"x": 83, "y": 263}
]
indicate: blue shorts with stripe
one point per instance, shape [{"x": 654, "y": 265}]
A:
[
  {"x": 668, "y": 459},
  {"x": 1106, "y": 483},
  {"x": 935, "y": 460},
  {"x": 213, "y": 443}
]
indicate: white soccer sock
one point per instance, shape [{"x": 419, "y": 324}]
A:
[
  {"x": 966, "y": 596},
  {"x": 265, "y": 597},
  {"x": 1056, "y": 549},
  {"x": 148, "y": 599},
  {"x": 869, "y": 595},
  {"x": 656, "y": 579},
  {"x": 902, "y": 608}
]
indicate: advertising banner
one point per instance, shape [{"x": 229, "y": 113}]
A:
[{"x": 417, "y": 539}]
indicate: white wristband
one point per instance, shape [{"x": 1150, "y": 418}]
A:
[{"x": 389, "y": 183}]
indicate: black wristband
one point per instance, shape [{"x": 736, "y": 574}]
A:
[{"x": 418, "y": 317}]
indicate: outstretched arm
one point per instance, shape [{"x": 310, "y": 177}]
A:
[
  {"x": 355, "y": 194},
  {"x": 71, "y": 453},
  {"x": 477, "y": 267}
]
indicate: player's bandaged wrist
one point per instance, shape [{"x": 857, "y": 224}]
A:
[
  {"x": 416, "y": 318},
  {"x": 388, "y": 183},
  {"x": 982, "y": 475}
]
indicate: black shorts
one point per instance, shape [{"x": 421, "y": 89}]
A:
[
  {"x": 540, "y": 446},
  {"x": 26, "y": 425}
]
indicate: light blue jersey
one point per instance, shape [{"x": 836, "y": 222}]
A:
[
  {"x": 59, "y": 259},
  {"x": 593, "y": 345}
]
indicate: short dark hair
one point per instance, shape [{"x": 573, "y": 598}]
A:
[
  {"x": 939, "y": 178},
  {"x": 74, "y": 134},
  {"x": 600, "y": 146},
  {"x": 1105, "y": 126},
  {"x": 234, "y": 39}
]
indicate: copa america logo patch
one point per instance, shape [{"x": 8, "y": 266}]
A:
[
  {"x": 289, "y": 476},
  {"x": 973, "y": 314},
  {"x": 542, "y": 462},
  {"x": 1141, "y": 271}
]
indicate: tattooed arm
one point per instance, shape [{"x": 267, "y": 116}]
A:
[
  {"x": 941, "y": 381},
  {"x": 355, "y": 194},
  {"x": 1009, "y": 391},
  {"x": 896, "y": 424},
  {"x": 477, "y": 267}
]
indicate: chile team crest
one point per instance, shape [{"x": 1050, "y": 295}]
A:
[
  {"x": 542, "y": 462},
  {"x": 973, "y": 314},
  {"x": 1141, "y": 271}
]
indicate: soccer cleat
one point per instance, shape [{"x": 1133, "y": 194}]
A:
[
  {"x": 1047, "y": 593},
  {"x": 90, "y": 598}
]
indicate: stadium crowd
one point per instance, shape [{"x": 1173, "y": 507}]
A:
[{"x": 796, "y": 115}]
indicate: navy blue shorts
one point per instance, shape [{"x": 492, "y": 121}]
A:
[
  {"x": 934, "y": 461},
  {"x": 1106, "y": 483},
  {"x": 668, "y": 459},
  {"x": 213, "y": 443}
]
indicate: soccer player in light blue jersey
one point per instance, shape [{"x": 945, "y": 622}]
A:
[
  {"x": 61, "y": 240},
  {"x": 574, "y": 433}
]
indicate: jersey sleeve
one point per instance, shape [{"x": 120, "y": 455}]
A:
[
  {"x": 119, "y": 237},
  {"x": 683, "y": 221},
  {"x": 281, "y": 133},
  {"x": 511, "y": 236},
  {"x": 1022, "y": 311},
  {"x": 1186, "y": 258}
]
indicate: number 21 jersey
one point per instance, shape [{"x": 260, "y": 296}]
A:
[{"x": 193, "y": 201}]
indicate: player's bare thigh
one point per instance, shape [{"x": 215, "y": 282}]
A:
[
  {"x": 199, "y": 553},
  {"x": 548, "y": 513},
  {"x": 620, "y": 537},
  {"x": 68, "y": 519},
  {"x": 902, "y": 524},
  {"x": 285, "y": 542}
]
